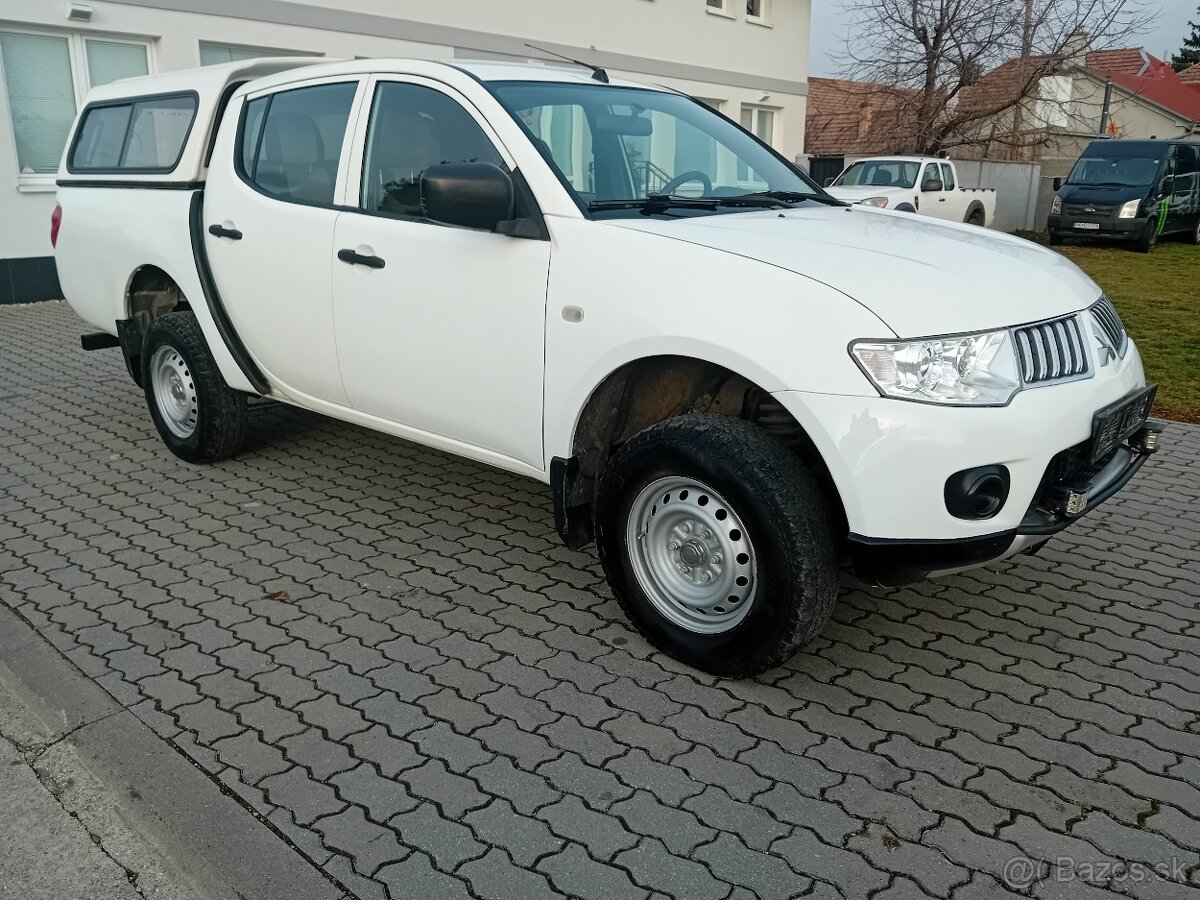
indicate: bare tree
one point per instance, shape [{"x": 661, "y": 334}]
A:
[{"x": 970, "y": 71}]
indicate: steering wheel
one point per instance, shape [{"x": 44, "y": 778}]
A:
[{"x": 683, "y": 178}]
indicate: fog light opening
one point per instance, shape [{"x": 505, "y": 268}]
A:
[{"x": 978, "y": 493}]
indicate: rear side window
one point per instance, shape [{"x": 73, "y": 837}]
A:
[
  {"x": 947, "y": 177},
  {"x": 291, "y": 142},
  {"x": 139, "y": 135}
]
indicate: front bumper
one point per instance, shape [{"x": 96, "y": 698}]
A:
[
  {"x": 1120, "y": 229},
  {"x": 893, "y": 562}
]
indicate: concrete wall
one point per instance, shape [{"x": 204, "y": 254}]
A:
[{"x": 676, "y": 43}]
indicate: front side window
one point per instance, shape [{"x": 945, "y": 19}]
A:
[
  {"x": 931, "y": 177},
  {"x": 292, "y": 141},
  {"x": 412, "y": 128},
  {"x": 879, "y": 173},
  {"x": 45, "y": 76},
  {"x": 612, "y": 144}
]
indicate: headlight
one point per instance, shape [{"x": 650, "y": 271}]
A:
[
  {"x": 973, "y": 369},
  {"x": 1129, "y": 210},
  {"x": 877, "y": 202},
  {"x": 1056, "y": 205}
]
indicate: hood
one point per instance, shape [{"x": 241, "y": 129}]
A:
[
  {"x": 920, "y": 276},
  {"x": 1099, "y": 194},
  {"x": 852, "y": 194}
]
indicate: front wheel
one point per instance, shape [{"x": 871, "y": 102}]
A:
[
  {"x": 1148, "y": 238},
  {"x": 718, "y": 543},
  {"x": 200, "y": 418},
  {"x": 1196, "y": 231}
]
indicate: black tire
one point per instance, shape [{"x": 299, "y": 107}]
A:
[
  {"x": 220, "y": 412},
  {"x": 785, "y": 516},
  {"x": 975, "y": 217},
  {"x": 1148, "y": 238},
  {"x": 1055, "y": 239},
  {"x": 1194, "y": 237}
]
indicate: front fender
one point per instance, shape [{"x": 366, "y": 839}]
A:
[{"x": 642, "y": 295}]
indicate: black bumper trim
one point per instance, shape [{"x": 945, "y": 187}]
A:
[
  {"x": 1042, "y": 522},
  {"x": 891, "y": 562}
]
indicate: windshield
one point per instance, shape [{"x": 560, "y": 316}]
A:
[
  {"x": 880, "y": 173},
  {"x": 614, "y": 144},
  {"x": 1128, "y": 172}
]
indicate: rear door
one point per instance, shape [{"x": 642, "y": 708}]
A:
[{"x": 269, "y": 226}]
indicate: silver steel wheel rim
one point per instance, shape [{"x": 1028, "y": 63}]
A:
[
  {"x": 691, "y": 555},
  {"x": 174, "y": 391}
]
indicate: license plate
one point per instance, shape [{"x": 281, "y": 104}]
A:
[
  {"x": 1090, "y": 226},
  {"x": 1113, "y": 424}
]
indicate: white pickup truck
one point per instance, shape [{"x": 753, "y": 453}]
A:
[
  {"x": 926, "y": 185},
  {"x": 730, "y": 380}
]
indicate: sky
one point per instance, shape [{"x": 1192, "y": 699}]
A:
[{"x": 1164, "y": 38}]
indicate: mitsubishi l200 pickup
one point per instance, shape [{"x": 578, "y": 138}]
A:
[{"x": 732, "y": 382}]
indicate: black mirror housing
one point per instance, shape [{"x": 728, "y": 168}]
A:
[
  {"x": 1057, "y": 184},
  {"x": 928, "y": 186},
  {"x": 470, "y": 195}
]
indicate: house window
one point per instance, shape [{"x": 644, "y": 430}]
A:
[
  {"x": 756, "y": 11},
  {"x": 214, "y": 54},
  {"x": 46, "y": 76},
  {"x": 761, "y": 122},
  {"x": 720, "y": 7}
]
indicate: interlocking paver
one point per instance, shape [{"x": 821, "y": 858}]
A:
[{"x": 448, "y": 702}]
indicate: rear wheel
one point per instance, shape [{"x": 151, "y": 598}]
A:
[
  {"x": 1196, "y": 231},
  {"x": 198, "y": 416},
  {"x": 718, "y": 543},
  {"x": 975, "y": 217}
]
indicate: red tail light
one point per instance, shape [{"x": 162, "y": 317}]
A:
[{"x": 55, "y": 224}]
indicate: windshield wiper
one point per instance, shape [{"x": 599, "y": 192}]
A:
[
  {"x": 775, "y": 198},
  {"x": 653, "y": 202}
]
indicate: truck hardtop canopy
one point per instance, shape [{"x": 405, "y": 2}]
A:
[{"x": 205, "y": 92}]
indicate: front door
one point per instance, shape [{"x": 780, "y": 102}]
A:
[
  {"x": 1184, "y": 190},
  {"x": 447, "y": 336},
  {"x": 269, "y": 232}
]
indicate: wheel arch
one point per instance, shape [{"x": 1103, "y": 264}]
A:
[
  {"x": 650, "y": 389},
  {"x": 975, "y": 207}
]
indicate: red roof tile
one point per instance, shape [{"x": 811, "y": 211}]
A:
[
  {"x": 1191, "y": 76},
  {"x": 855, "y": 117}
]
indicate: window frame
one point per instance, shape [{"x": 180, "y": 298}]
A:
[
  {"x": 131, "y": 102},
  {"x": 951, "y": 183},
  {"x": 352, "y": 190},
  {"x": 339, "y": 187},
  {"x": 81, "y": 81},
  {"x": 764, "y": 13},
  {"x": 722, "y": 10}
]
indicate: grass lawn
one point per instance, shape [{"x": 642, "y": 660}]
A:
[{"x": 1158, "y": 296}]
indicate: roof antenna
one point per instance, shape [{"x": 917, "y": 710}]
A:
[{"x": 597, "y": 72}]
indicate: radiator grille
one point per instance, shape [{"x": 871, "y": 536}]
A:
[
  {"x": 1106, "y": 317},
  {"x": 1102, "y": 210},
  {"x": 1052, "y": 351}
]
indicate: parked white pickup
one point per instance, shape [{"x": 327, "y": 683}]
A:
[
  {"x": 920, "y": 184},
  {"x": 730, "y": 380}
]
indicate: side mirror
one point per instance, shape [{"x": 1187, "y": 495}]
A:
[
  {"x": 830, "y": 180},
  {"x": 470, "y": 195},
  {"x": 1057, "y": 183},
  {"x": 932, "y": 185}
]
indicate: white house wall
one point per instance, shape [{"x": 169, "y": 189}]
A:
[{"x": 676, "y": 43}]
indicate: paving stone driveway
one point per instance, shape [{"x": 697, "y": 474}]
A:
[{"x": 385, "y": 652}]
